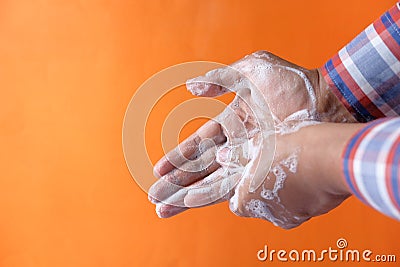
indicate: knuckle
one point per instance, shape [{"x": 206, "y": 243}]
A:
[{"x": 172, "y": 178}]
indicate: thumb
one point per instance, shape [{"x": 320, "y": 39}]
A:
[{"x": 216, "y": 82}]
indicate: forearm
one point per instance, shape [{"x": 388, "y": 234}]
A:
[
  {"x": 358, "y": 159},
  {"x": 322, "y": 149}
]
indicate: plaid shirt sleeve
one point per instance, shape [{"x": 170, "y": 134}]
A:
[
  {"x": 371, "y": 162},
  {"x": 365, "y": 74}
]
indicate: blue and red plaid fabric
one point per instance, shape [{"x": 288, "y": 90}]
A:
[
  {"x": 371, "y": 163},
  {"x": 365, "y": 76}
]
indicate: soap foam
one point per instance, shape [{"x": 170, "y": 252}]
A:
[{"x": 242, "y": 158}]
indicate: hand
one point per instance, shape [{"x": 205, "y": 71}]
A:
[
  {"x": 286, "y": 87},
  {"x": 305, "y": 179},
  {"x": 230, "y": 158}
]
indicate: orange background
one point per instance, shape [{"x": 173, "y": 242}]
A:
[{"x": 67, "y": 72}]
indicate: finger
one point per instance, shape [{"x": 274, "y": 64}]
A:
[
  {"x": 246, "y": 204},
  {"x": 260, "y": 166},
  {"x": 216, "y": 82},
  {"x": 227, "y": 125},
  {"x": 263, "y": 203},
  {"x": 207, "y": 135},
  {"x": 231, "y": 78},
  {"x": 250, "y": 175},
  {"x": 218, "y": 191},
  {"x": 166, "y": 211},
  {"x": 176, "y": 201},
  {"x": 214, "y": 186},
  {"x": 187, "y": 174}
]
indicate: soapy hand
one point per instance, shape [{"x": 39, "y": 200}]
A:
[{"x": 231, "y": 157}]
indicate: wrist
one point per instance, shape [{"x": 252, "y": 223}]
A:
[
  {"x": 329, "y": 106},
  {"x": 322, "y": 152}
]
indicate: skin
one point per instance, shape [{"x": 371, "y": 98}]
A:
[{"x": 314, "y": 188}]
